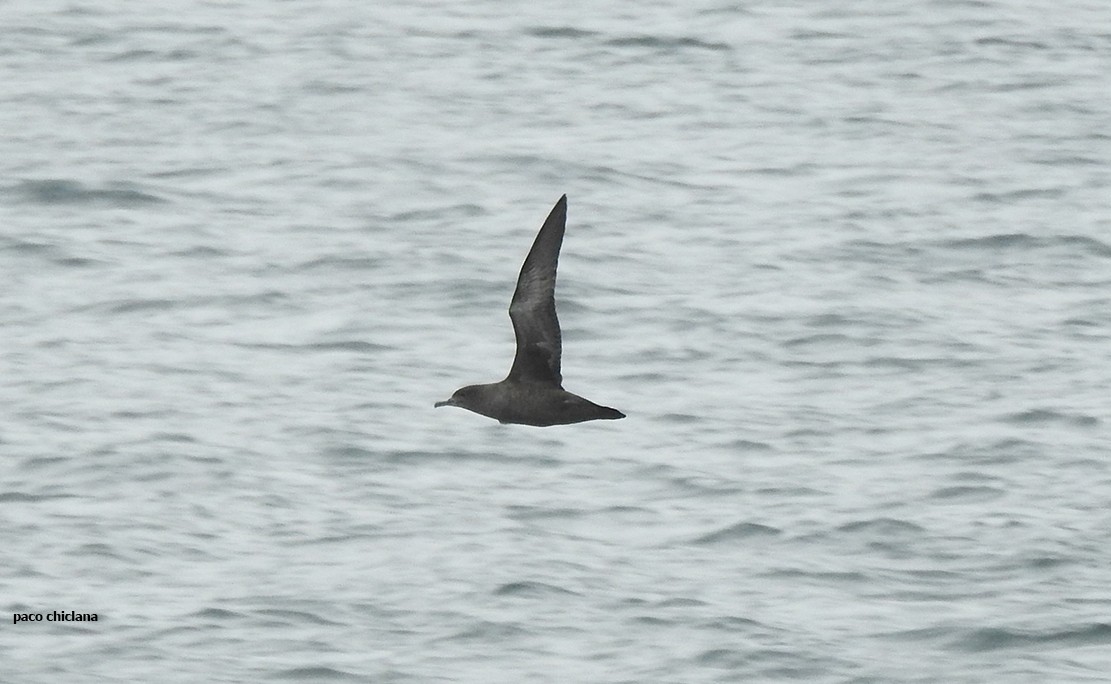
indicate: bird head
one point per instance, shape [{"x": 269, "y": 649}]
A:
[{"x": 464, "y": 397}]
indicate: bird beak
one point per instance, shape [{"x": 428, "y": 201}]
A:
[{"x": 446, "y": 402}]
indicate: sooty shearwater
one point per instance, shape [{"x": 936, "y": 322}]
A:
[{"x": 532, "y": 393}]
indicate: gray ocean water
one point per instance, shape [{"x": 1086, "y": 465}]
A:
[{"x": 846, "y": 267}]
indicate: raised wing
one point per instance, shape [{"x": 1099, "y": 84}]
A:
[{"x": 539, "y": 343}]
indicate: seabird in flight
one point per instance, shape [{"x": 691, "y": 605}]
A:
[{"x": 532, "y": 393}]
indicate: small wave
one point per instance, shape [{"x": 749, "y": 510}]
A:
[
  {"x": 324, "y": 86},
  {"x": 722, "y": 657},
  {"x": 704, "y": 486},
  {"x": 177, "y": 437},
  {"x": 349, "y": 451},
  {"x": 1008, "y": 41},
  {"x": 520, "y": 513},
  {"x": 487, "y": 630},
  {"x": 653, "y": 621},
  {"x": 344, "y": 262},
  {"x": 77, "y": 262},
  {"x": 1024, "y": 241},
  {"x": 30, "y": 248},
  {"x": 454, "y": 212},
  {"x": 902, "y": 362},
  {"x": 681, "y": 418},
  {"x": 680, "y": 602},
  {"x": 296, "y": 617},
  {"x": 347, "y": 345},
  {"x": 995, "y": 243},
  {"x": 317, "y": 673},
  {"x": 216, "y": 614},
  {"x": 201, "y": 252},
  {"x": 1007, "y": 450},
  {"x": 667, "y": 43},
  {"x": 63, "y": 191},
  {"x": 881, "y": 526},
  {"x": 741, "y": 444},
  {"x": 99, "y": 550},
  {"x": 143, "y": 55},
  {"x": 808, "y": 34},
  {"x": 560, "y": 32},
  {"x": 23, "y": 497},
  {"x": 825, "y": 576},
  {"x": 738, "y": 531},
  {"x": 408, "y": 457},
  {"x": 790, "y": 492},
  {"x": 530, "y": 589},
  {"x": 997, "y": 638},
  {"x": 132, "y": 305},
  {"x": 965, "y": 494},
  {"x": 734, "y": 624},
  {"x": 1040, "y": 416},
  {"x": 53, "y": 253},
  {"x": 817, "y": 339},
  {"x": 1046, "y": 562},
  {"x": 338, "y": 345},
  {"x": 1003, "y": 240}
]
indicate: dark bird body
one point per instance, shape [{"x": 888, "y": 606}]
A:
[{"x": 532, "y": 393}]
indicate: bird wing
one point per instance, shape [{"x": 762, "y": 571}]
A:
[{"x": 539, "y": 344}]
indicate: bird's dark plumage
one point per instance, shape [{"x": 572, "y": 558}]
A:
[{"x": 532, "y": 393}]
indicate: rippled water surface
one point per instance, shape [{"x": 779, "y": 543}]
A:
[{"x": 846, "y": 267}]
